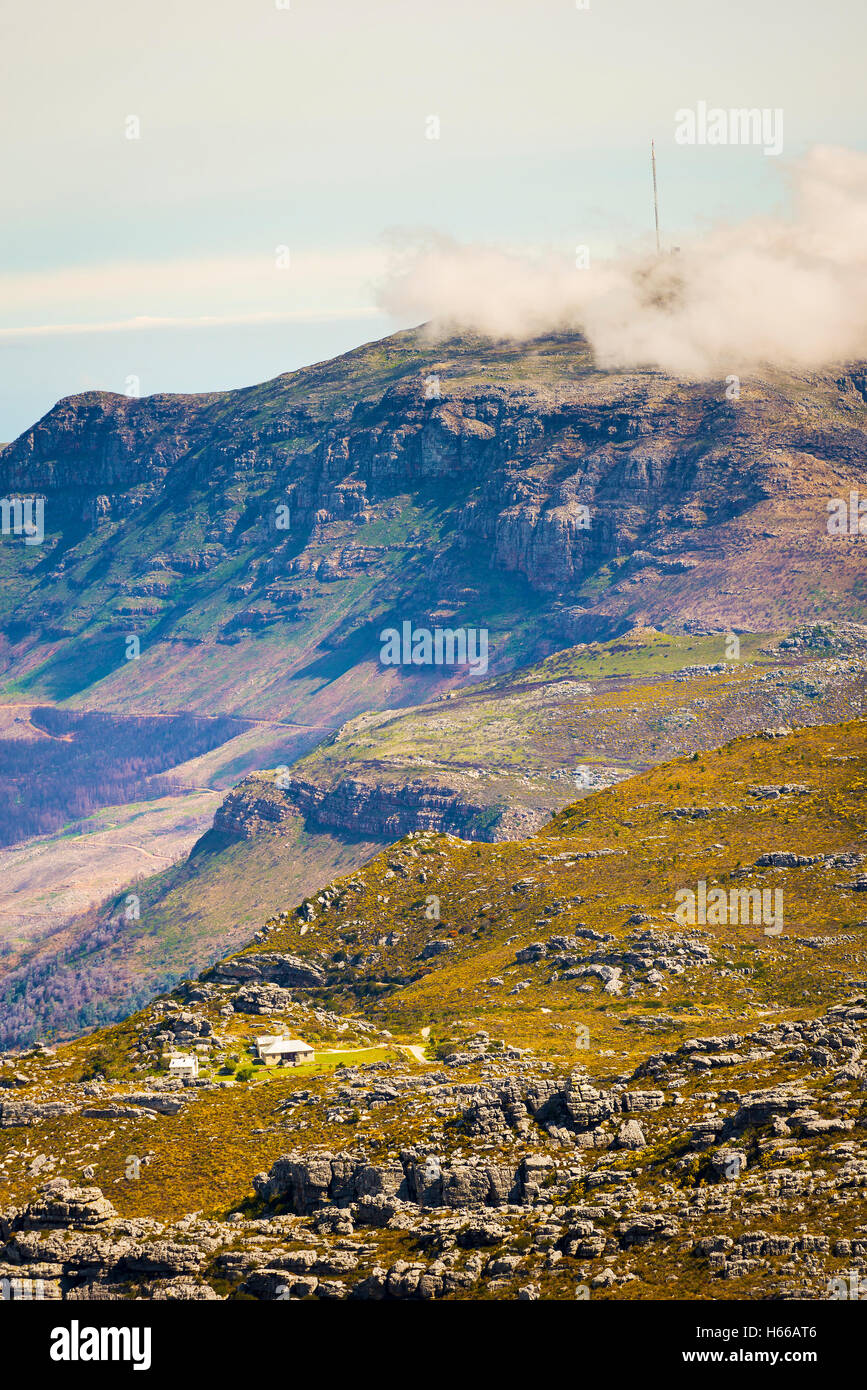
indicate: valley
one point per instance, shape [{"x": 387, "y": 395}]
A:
[{"x": 493, "y": 761}]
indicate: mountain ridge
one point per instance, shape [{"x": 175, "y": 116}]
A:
[{"x": 441, "y": 482}]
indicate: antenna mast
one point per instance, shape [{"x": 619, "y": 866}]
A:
[{"x": 655, "y": 197}]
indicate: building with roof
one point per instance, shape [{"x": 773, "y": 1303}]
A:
[
  {"x": 186, "y": 1068},
  {"x": 284, "y": 1052}
]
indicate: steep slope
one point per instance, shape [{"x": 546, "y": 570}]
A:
[
  {"x": 612, "y": 1101},
  {"x": 257, "y": 541},
  {"x": 93, "y": 967},
  {"x": 491, "y": 762}
]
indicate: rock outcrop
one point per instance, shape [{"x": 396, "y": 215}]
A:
[{"x": 387, "y": 811}]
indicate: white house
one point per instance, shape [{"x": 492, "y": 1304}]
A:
[
  {"x": 187, "y": 1068},
  {"x": 284, "y": 1052}
]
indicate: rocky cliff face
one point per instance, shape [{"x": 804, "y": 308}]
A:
[
  {"x": 386, "y": 811},
  {"x": 525, "y": 491},
  {"x": 102, "y": 443}
]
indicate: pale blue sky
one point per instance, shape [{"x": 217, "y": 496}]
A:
[{"x": 305, "y": 127}]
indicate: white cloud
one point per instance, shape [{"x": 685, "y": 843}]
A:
[
  {"x": 193, "y": 291},
  {"x": 143, "y": 322},
  {"x": 785, "y": 290}
]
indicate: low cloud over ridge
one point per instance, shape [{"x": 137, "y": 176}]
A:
[{"x": 787, "y": 290}]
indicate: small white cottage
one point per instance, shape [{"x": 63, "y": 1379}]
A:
[
  {"x": 186, "y": 1068},
  {"x": 285, "y": 1052}
]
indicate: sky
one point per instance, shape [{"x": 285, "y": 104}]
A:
[{"x": 200, "y": 194}]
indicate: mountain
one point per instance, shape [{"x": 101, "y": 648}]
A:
[
  {"x": 553, "y": 1067},
  {"x": 464, "y": 884},
  {"x": 257, "y": 542},
  {"x": 239, "y": 555}
]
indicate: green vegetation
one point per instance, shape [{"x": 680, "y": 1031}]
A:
[{"x": 496, "y": 900}]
